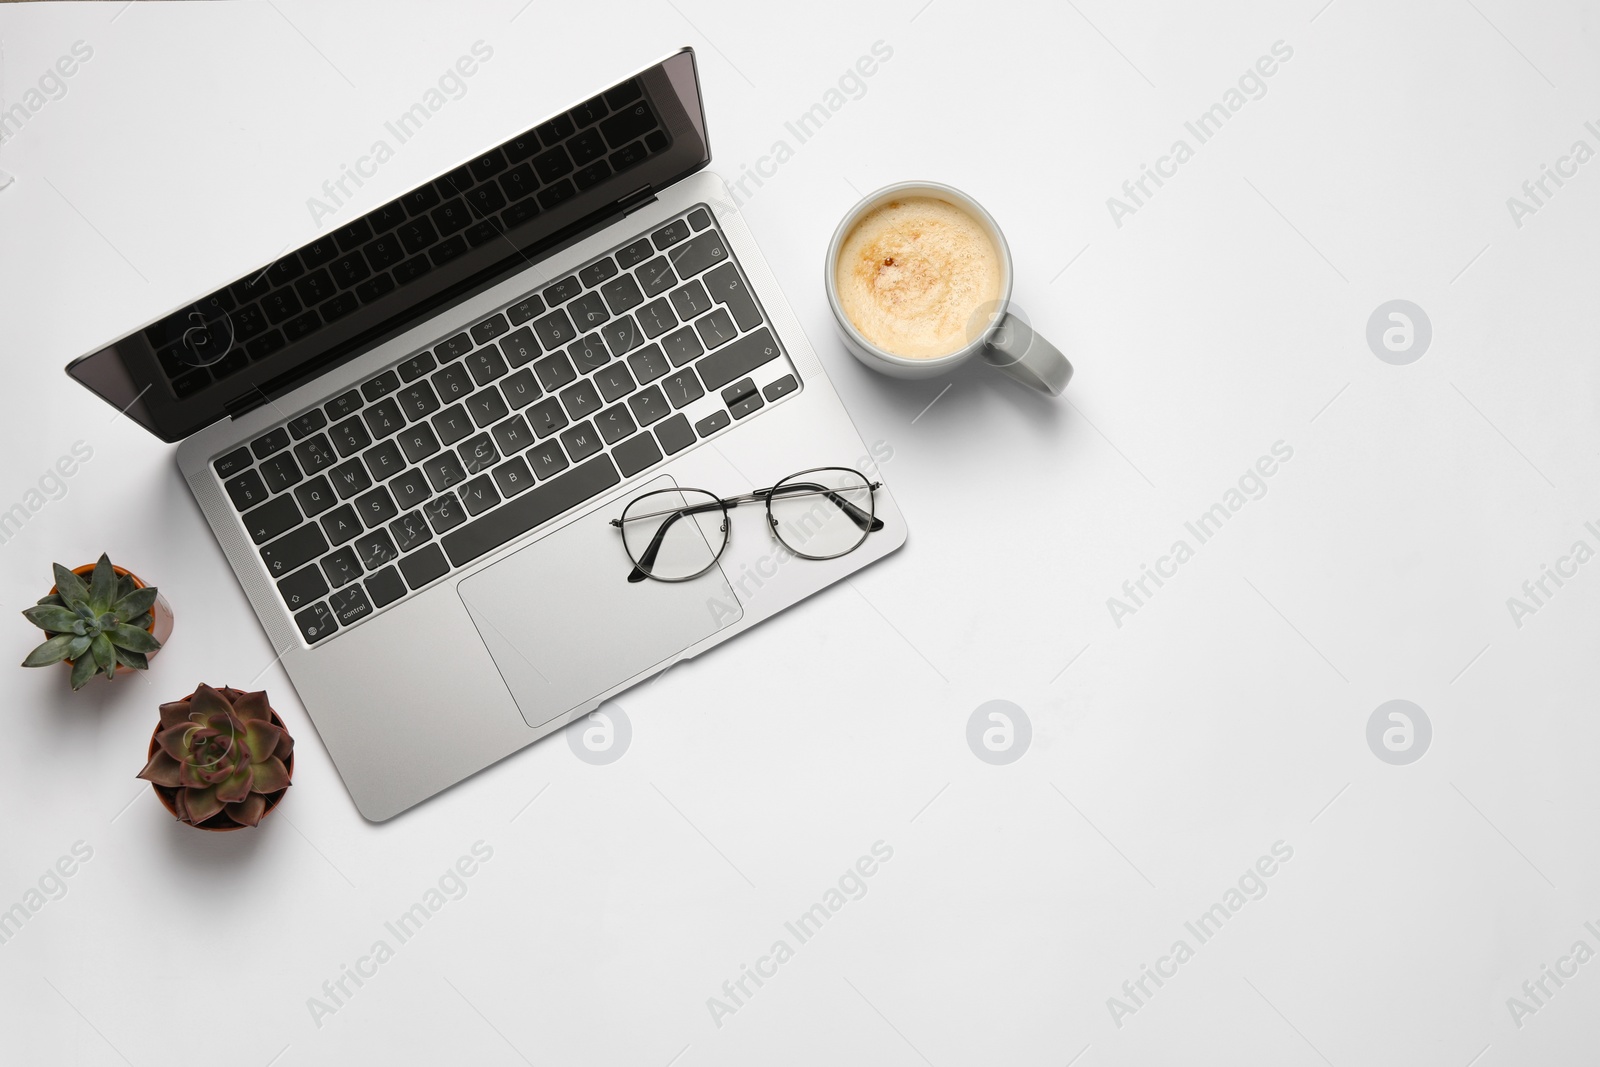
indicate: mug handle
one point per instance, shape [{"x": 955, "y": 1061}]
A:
[{"x": 1015, "y": 349}]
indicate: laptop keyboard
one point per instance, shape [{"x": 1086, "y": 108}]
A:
[
  {"x": 387, "y": 249},
  {"x": 462, "y": 447}
]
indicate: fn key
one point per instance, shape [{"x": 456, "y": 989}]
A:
[{"x": 316, "y": 622}]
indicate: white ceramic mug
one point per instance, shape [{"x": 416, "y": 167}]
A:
[{"x": 1004, "y": 339}]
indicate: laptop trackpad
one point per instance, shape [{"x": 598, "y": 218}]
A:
[{"x": 564, "y": 624}]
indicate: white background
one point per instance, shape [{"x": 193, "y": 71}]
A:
[{"x": 1167, "y": 754}]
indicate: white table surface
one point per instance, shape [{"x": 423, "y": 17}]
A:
[{"x": 1229, "y": 713}]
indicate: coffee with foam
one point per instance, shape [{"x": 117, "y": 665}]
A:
[{"x": 913, "y": 275}]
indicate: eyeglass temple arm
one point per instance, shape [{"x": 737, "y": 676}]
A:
[{"x": 647, "y": 558}]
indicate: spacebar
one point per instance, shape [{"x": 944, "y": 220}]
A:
[{"x": 522, "y": 513}]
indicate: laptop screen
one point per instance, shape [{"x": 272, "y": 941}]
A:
[{"x": 370, "y": 278}]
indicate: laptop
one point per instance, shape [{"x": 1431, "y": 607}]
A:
[{"x": 411, "y": 436}]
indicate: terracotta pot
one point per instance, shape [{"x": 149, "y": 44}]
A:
[
  {"x": 161, "y": 613},
  {"x": 220, "y": 822}
]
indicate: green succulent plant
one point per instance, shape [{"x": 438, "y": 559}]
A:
[
  {"x": 222, "y": 752},
  {"x": 97, "y": 624}
]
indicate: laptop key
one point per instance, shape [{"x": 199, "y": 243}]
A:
[
  {"x": 512, "y": 435},
  {"x": 682, "y": 346},
  {"x": 410, "y": 490},
  {"x": 350, "y": 604},
  {"x": 622, "y": 335},
  {"x": 453, "y": 423},
  {"x": 382, "y": 385},
  {"x": 738, "y": 359},
  {"x": 598, "y": 271},
  {"x": 349, "y": 436},
  {"x": 675, "y": 434},
  {"x": 350, "y": 478},
  {"x": 782, "y": 387},
  {"x": 712, "y": 423},
  {"x": 533, "y": 508},
  {"x": 674, "y": 231},
  {"x": 294, "y": 549},
  {"x": 636, "y": 453},
  {"x": 513, "y": 477},
  {"x": 717, "y": 328},
  {"x": 656, "y": 318},
  {"x": 315, "y": 453},
  {"x": 478, "y": 454},
  {"x": 614, "y": 423},
  {"x": 444, "y": 512},
  {"x": 453, "y": 383},
  {"x": 344, "y": 404},
  {"x": 376, "y": 507},
  {"x": 555, "y": 329},
  {"x": 418, "y": 442},
  {"x": 580, "y": 399},
  {"x": 683, "y": 387},
  {"x": 622, "y": 294},
  {"x": 588, "y": 311},
  {"x": 478, "y": 495},
  {"x": 232, "y": 463},
  {"x": 486, "y": 364},
  {"x": 376, "y": 550},
  {"x": 418, "y": 400},
  {"x": 525, "y": 309},
  {"x": 270, "y": 442},
  {"x": 490, "y": 328},
  {"x": 315, "y": 497},
  {"x": 302, "y": 587},
  {"x": 519, "y": 347},
  {"x": 486, "y": 406},
  {"x": 384, "y": 418},
  {"x": 649, "y": 363},
  {"x": 316, "y": 622},
  {"x": 341, "y": 524},
  {"x": 615, "y": 382},
  {"x": 410, "y": 530},
  {"x": 656, "y": 276},
  {"x": 562, "y": 290},
  {"x": 424, "y": 566},
  {"x": 443, "y": 471},
  {"x": 385, "y": 587},
  {"x": 728, "y": 288},
  {"x": 271, "y": 519},
  {"x": 246, "y": 491},
  {"x": 547, "y": 459},
  {"x": 691, "y": 300},
  {"x": 635, "y": 253},
  {"x": 309, "y": 423},
  {"x": 341, "y": 567},
  {"x": 698, "y": 253},
  {"x": 699, "y": 218},
  {"x": 649, "y": 406},
  {"x": 746, "y": 406},
  {"x": 555, "y": 371},
  {"x": 589, "y": 353},
  {"x": 546, "y": 417},
  {"x": 581, "y": 441},
  {"x": 453, "y": 348},
  {"x": 521, "y": 389},
  {"x": 280, "y": 472}
]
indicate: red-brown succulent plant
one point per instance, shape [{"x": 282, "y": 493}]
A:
[{"x": 221, "y": 753}]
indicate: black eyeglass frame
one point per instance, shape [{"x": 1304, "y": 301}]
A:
[{"x": 867, "y": 521}]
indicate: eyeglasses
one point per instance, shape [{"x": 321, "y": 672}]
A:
[{"x": 674, "y": 535}]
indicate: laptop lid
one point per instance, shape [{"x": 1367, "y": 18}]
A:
[{"x": 370, "y": 278}]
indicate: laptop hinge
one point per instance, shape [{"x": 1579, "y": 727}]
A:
[
  {"x": 637, "y": 199},
  {"x": 245, "y": 403}
]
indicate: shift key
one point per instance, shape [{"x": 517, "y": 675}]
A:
[
  {"x": 738, "y": 359},
  {"x": 294, "y": 549},
  {"x": 726, "y": 287}
]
